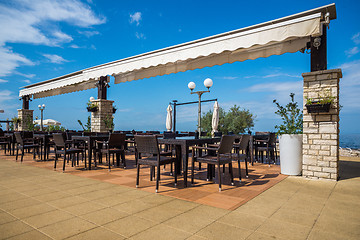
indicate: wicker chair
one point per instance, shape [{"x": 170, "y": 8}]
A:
[
  {"x": 241, "y": 153},
  {"x": 21, "y": 144},
  {"x": 115, "y": 145},
  {"x": 62, "y": 147},
  {"x": 4, "y": 141},
  {"x": 223, "y": 156},
  {"x": 147, "y": 146},
  {"x": 269, "y": 147}
]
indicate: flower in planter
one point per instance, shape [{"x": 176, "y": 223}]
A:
[
  {"x": 322, "y": 104},
  {"x": 91, "y": 107}
]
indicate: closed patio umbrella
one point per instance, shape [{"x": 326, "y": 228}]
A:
[
  {"x": 215, "y": 118},
  {"x": 169, "y": 118}
]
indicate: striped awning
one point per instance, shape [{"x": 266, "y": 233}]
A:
[{"x": 288, "y": 34}]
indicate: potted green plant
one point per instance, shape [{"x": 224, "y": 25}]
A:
[
  {"x": 109, "y": 123},
  {"x": 290, "y": 137},
  {"x": 92, "y": 107},
  {"x": 16, "y": 121},
  {"x": 321, "y": 104}
]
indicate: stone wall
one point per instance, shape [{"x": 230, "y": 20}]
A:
[
  {"x": 26, "y": 117},
  {"x": 105, "y": 112},
  {"x": 321, "y": 130}
]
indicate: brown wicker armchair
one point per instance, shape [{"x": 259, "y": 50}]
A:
[
  {"x": 22, "y": 144},
  {"x": 147, "y": 146},
  {"x": 223, "y": 156},
  {"x": 115, "y": 145},
  {"x": 65, "y": 148}
]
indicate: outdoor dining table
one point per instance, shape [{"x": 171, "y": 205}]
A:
[
  {"x": 182, "y": 149},
  {"x": 91, "y": 144},
  {"x": 45, "y": 139}
]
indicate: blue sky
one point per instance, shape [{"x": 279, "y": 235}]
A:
[{"x": 43, "y": 39}]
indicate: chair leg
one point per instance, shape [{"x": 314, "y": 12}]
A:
[
  {"x": 108, "y": 162},
  {"x": 246, "y": 168},
  {"x": 64, "y": 162},
  {"x": 175, "y": 174},
  {"x": 22, "y": 154},
  {"x": 151, "y": 173},
  {"x": 192, "y": 171},
  {"x": 231, "y": 173},
  {"x": 157, "y": 178},
  {"x": 17, "y": 153},
  {"x": 123, "y": 158},
  {"x": 137, "y": 175},
  {"x": 219, "y": 175},
  {"x": 239, "y": 171},
  {"x": 56, "y": 158}
]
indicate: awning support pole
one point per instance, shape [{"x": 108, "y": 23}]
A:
[
  {"x": 102, "y": 88},
  {"x": 318, "y": 52},
  {"x": 26, "y": 100}
]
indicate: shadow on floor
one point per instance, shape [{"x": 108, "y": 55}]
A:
[{"x": 349, "y": 169}]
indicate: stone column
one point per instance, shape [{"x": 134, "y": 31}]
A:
[
  {"x": 104, "y": 113},
  {"x": 26, "y": 118},
  {"x": 321, "y": 130}
]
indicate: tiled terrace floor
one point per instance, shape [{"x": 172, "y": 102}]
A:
[
  {"x": 261, "y": 177},
  {"x": 36, "y": 203}
]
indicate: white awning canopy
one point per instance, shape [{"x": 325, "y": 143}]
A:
[{"x": 288, "y": 34}]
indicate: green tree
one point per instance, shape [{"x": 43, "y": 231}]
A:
[
  {"x": 237, "y": 120},
  {"x": 206, "y": 121}
]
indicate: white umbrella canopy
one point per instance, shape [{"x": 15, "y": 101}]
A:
[
  {"x": 215, "y": 118},
  {"x": 169, "y": 118},
  {"x": 48, "y": 122}
]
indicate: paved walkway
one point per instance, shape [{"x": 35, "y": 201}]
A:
[{"x": 36, "y": 203}]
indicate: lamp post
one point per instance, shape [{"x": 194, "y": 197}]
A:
[
  {"x": 207, "y": 83},
  {"x": 41, "y": 108}
]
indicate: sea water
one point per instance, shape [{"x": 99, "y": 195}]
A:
[{"x": 350, "y": 140}]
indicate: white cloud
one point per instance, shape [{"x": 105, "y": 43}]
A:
[
  {"x": 89, "y": 33},
  {"x": 74, "y": 46},
  {"x": 229, "y": 78},
  {"x": 26, "y": 81},
  {"x": 140, "y": 35},
  {"x": 30, "y": 75},
  {"x": 53, "y": 58},
  {"x": 10, "y": 60},
  {"x": 136, "y": 17},
  {"x": 34, "y": 22},
  {"x": 3, "y": 81},
  {"x": 352, "y": 51},
  {"x": 281, "y": 75},
  {"x": 6, "y": 95},
  {"x": 356, "y": 38},
  {"x": 277, "y": 87},
  {"x": 350, "y": 87}
]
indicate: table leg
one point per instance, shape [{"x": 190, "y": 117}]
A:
[
  {"x": 185, "y": 158},
  {"x": 251, "y": 150},
  {"x": 90, "y": 152}
]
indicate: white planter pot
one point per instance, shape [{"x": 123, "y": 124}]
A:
[{"x": 290, "y": 146}]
